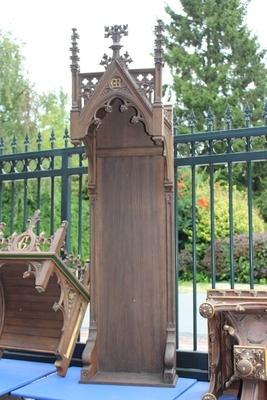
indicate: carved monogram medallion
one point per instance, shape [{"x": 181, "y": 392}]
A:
[{"x": 115, "y": 83}]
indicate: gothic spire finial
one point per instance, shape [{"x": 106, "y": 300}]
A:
[
  {"x": 116, "y": 32},
  {"x": 74, "y": 51},
  {"x": 158, "y": 51}
]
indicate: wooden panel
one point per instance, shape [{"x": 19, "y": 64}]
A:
[
  {"x": 116, "y": 130},
  {"x": 31, "y": 330},
  {"x": 32, "y": 343},
  {"x": 30, "y": 321},
  {"x": 21, "y": 297},
  {"x": 131, "y": 281},
  {"x": 133, "y": 151},
  {"x": 28, "y": 315}
]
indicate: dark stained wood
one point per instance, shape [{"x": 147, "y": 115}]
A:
[
  {"x": 132, "y": 222},
  {"x": 24, "y": 342},
  {"x": 128, "y": 378},
  {"x": 30, "y": 322},
  {"x": 29, "y": 316},
  {"x": 124, "y": 135},
  {"x": 41, "y": 304},
  {"x": 129, "y": 144}
]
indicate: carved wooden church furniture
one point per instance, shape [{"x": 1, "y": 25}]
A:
[
  {"x": 127, "y": 132},
  {"x": 42, "y": 303},
  {"x": 237, "y": 329}
]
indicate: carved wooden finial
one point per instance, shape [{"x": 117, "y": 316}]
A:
[
  {"x": 32, "y": 222},
  {"x": 116, "y": 32},
  {"x": 159, "y": 61},
  {"x": 74, "y": 51},
  {"x": 159, "y": 40}
]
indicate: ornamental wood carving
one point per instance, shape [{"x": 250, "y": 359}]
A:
[
  {"x": 237, "y": 329},
  {"x": 127, "y": 132},
  {"x": 42, "y": 302}
]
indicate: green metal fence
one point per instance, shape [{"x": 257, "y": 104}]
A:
[
  {"x": 52, "y": 180},
  {"x": 228, "y": 161},
  {"x": 230, "y": 164}
]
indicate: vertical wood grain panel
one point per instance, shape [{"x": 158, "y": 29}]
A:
[{"x": 131, "y": 264}]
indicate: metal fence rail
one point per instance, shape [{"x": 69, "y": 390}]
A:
[
  {"x": 226, "y": 153},
  {"x": 52, "y": 180}
]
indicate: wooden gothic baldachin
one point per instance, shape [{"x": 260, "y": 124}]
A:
[
  {"x": 42, "y": 301},
  {"x": 127, "y": 132}
]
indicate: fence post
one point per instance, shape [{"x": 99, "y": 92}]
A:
[{"x": 66, "y": 197}]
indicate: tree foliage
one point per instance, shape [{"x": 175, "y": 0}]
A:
[
  {"x": 23, "y": 110},
  {"x": 52, "y": 112},
  {"x": 215, "y": 60},
  {"x": 17, "y": 112}
]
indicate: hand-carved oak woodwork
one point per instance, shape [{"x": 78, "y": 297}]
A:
[
  {"x": 237, "y": 329},
  {"x": 128, "y": 139},
  {"x": 42, "y": 302}
]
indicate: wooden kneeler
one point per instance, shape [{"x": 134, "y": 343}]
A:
[
  {"x": 42, "y": 303},
  {"x": 127, "y": 132}
]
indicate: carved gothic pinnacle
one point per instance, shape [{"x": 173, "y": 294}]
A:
[
  {"x": 74, "y": 51},
  {"x": 106, "y": 60},
  {"x": 116, "y": 32},
  {"x": 159, "y": 41},
  {"x": 32, "y": 222}
]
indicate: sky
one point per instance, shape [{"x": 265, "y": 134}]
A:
[{"x": 44, "y": 26}]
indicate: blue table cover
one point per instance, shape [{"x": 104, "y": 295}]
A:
[
  {"x": 14, "y": 373},
  {"x": 55, "y": 387},
  {"x": 198, "y": 390}
]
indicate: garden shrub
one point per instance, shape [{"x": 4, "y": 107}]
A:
[
  {"x": 241, "y": 258},
  {"x": 221, "y": 223},
  {"x": 240, "y": 212}
]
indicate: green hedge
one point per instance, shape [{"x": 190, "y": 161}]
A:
[{"x": 222, "y": 260}]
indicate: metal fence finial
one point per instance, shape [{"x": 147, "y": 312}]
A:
[
  {"x": 26, "y": 142},
  {"x": 52, "y": 138},
  {"x": 265, "y": 112},
  {"x": 228, "y": 117},
  {"x": 210, "y": 120},
  {"x": 192, "y": 121},
  {"x": 39, "y": 140},
  {"x": 14, "y": 144},
  {"x": 247, "y": 115},
  {"x": 66, "y": 137}
]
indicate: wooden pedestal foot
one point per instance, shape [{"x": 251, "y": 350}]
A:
[{"x": 209, "y": 396}]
